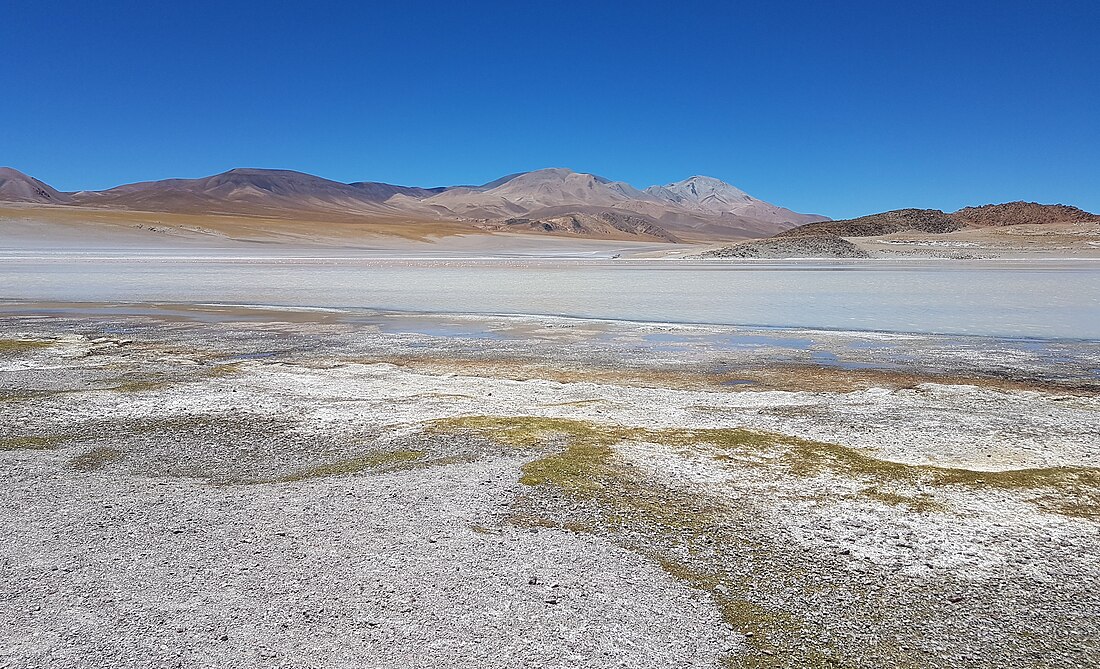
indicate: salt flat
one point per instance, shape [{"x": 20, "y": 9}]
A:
[
  {"x": 1054, "y": 298},
  {"x": 196, "y": 484}
]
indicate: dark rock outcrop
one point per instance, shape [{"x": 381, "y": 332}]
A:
[
  {"x": 1021, "y": 213},
  {"x": 900, "y": 220},
  {"x": 803, "y": 246},
  {"x": 935, "y": 221}
]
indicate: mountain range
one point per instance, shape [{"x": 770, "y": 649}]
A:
[
  {"x": 547, "y": 201},
  {"x": 991, "y": 230},
  {"x": 934, "y": 221}
]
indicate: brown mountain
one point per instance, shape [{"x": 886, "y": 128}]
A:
[
  {"x": 922, "y": 220},
  {"x": 377, "y": 191},
  {"x": 696, "y": 208},
  {"x": 1021, "y": 213},
  {"x": 18, "y": 187},
  {"x": 551, "y": 201},
  {"x": 604, "y": 224},
  {"x": 935, "y": 221},
  {"x": 240, "y": 191}
]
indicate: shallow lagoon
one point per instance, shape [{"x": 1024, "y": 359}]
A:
[{"x": 1028, "y": 299}]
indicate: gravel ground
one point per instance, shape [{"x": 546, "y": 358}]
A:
[{"x": 187, "y": 491}]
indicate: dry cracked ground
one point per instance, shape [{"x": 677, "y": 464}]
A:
[{"x": 247, "y": 489}]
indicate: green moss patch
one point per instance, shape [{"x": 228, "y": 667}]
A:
[
  {"x": 654, "y": 519},
  {"x": 21, "y": 346},
  {"x": 587, "y": 450},
  {"x": 918, "y": 502},
  {"x": 692, "y": 536},
  {"x": 95, "y": 459},
  {"x": 139, "y": 385},
  {"x": 32, "y": 443},
  {"x": 221, "y": 370}
]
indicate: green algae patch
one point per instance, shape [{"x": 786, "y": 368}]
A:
[
  {"x": 372, "y": 461},
  {"x": 1085, "y": 504},
  {"x": 1075, "y": 490},
  {"x": 29, "y": 443},
  {"x": 528, "y": 431},
  {"x": 221, "y": 370},
  {"x": 653, "y": 519},
  {"x": 579, "y": 466},
  {"x": 920, "y": 502},
  {"x": 588, "y": 446},
  {"x": 21, "y": 346},
  {"x": 29, "y": 395},
  {"x": 95, "y": 459},
  {"x": 693, "y": 536},
  {"x": 139, "y": 385}
]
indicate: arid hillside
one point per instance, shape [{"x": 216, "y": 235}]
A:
[
  {"x": 1014, "y": 229},
  {"x": 549, "y": 202}
]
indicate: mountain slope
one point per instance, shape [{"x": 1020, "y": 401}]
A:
[
  {"x": 240, "y": 191},
  {"x": 700, "y": 208},
  {"x": 532, "y": 193},
  {"x": 609, "y": 224},
  {"x": 937, "y": 222},
  {"x": 376, "y": 191},
  {"x": 547, "y": 201},
  {"x": 802, "y": 246},
  {"x": 18, "y": 187},
  {"x": 712, "y": 196},
  {"x": 921, "y": 220},
  {"x": 1022, "y": 213}
]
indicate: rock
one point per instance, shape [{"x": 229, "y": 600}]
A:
[{"x": 809, "y": 246}]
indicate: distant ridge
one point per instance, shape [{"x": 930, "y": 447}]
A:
[
  {"x": 18, "y": 187},
  {"x": 377, "y": 191},
  {"x": 1021, "y": 213},
  {"x": 830, "y": 239},
  {"x": 710, "y": 195},
  {"x": 555, "y": 192},
  {"x": 242, "y": 190},
  {"x": 921, "y": 220},
  {"x": 936, "y": 221},
  {"x": 548, "y": 201}
]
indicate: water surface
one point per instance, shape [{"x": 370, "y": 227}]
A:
[{"x": 1043, "y": 299}]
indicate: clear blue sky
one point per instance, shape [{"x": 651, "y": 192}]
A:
[{"x": 839, "y": 108}]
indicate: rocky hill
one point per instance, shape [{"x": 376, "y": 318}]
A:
[
  {"x": 1021, "y": 213},
  {"x": 935, "y": 221},
  {"x": 803, "y": 246},
  {"x": 920, "y": 220},
  {"x": 979, "y": 227}
]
